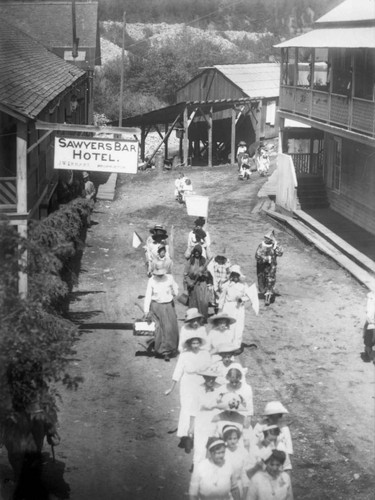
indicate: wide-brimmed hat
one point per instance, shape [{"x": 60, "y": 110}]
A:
[
  {"x": 242, "y": 143},
  {"x": 221, "y": 315},
  {"x": 225, "y": 348},
  {"x": 214, "y": 441},
  {"x": 194, "y": 335},
  {"x": 270, "y": 235},
  {"x": 208, "y": 372},
  {"x": 274, "y": 408},
  {"x": 85, "y": 174},
  {"x": 191, "y": 314},
  {"x": 236, "y": 269},
  {"x": 159, "y": 271},
  {"x": 238, "y": 367},
  {"x": 158, "y": 229}
]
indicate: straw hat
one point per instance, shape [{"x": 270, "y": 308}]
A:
[
  {"x": 194, "y": 335},
  {"x": 225, "y": 348},
  {"x": 236, "y": 269},
  {"x": 191, "y": 314},
  {"x": 274, "y": 408},
  {"x": 208, "y": 372},
  {"x": 242, "y": 143},
  {"x": 270, "y": 235},
  {"x": 221, "y": 315}
]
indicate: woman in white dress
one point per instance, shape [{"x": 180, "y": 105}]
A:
[
  {"x": 232, "y": 302},
  {"x": 214, "y": 478},
  {"x": 190, "y": 362},
  {"x": 193, "y": 323}
]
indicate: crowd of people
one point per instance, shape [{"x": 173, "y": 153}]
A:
[
  {"x": 254, "y": 158},
  {"x": 233, "y": 457}
]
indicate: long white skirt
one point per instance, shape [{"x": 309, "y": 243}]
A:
[{"x": 238, "y": 313}]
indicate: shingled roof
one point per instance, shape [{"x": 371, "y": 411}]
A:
[
  {"x": 51, "y": 22},
  {"x": 30, "y": 75},
  {"x": 255, "y": 80}
]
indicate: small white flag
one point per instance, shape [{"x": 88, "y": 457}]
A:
[
  {"x": 137, "y": 240},
  {"x": 252, "y": 293}
]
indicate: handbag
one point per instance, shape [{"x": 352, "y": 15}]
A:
[{"x": 183, "y": 298}]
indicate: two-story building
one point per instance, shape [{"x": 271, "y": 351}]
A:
[
  {"x": 55, "y": 24},
  {"x": 328, "y": 83},
  {"x": 35, "y": 85}
]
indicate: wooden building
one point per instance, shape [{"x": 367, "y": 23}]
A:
[
  {"x": 54, "y": 24},
  {"x": 328, "y": 83},
  {"x": 35, "y": 85},
  {"x": 215, "y": 110}
]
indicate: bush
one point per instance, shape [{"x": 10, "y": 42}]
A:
[{"x": 36, "y": 342}]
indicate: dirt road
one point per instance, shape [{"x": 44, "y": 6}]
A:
[{"x": 117, "y": 429}]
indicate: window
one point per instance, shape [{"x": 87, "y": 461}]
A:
[
  {"x": 288, "y": 66},
  {"x": 305, "y": 59},
  {"x": 322, "y": 70},
  {"x": 364, "y": 74},
  {"x": 342, "y": 72}
]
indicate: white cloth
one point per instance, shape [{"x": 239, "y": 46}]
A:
[
  {"x": 262, "y": 486},
  {"x": 188, "y": 365},
  {"x": 192, "y": 241},
  {"x": 217, "y": 337},
  {"x": 211, "y": 482},
  {"x": 228, "y": 303},
  {"x": 204, "y": 427},
  {"x": 238, "y": 460},
  {"x": 161, "y": 289}
]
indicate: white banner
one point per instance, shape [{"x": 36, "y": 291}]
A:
[
  {"x": 197, "y": 205},
  {"x": 99, "y": 155}
]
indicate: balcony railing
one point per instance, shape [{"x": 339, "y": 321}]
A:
[
  {"x": 353, "y": 114},
  {"x": 8, "y": 193},
  {"x": 306, "y": 163}
]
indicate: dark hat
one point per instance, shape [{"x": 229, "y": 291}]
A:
[
  {"x": 197, "y": 248},
  {"x": 158, "y": 229},
  {"x": 201, "y": 221}
]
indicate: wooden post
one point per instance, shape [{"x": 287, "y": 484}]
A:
[
  {"x": 122, "y": 71},
  {"x": 281, "y": 135},
  {"x": 233, "y": 138},
  {"x": 166, "y": 142},
  {"x": 185, "y": 138},
  {"x": 210, "y": 137},
  {"x": 143, "y": 140},
  {"x": 22, "y": 199}
]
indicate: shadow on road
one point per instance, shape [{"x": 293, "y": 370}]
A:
[{"x": 106, "y": 326}]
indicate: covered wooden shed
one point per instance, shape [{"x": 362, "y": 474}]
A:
[{"x": 215, "y": 110}]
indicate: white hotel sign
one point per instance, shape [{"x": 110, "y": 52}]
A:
[{"x": 100, "y": 155}]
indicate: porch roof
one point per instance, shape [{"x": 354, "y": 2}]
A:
[{"x": 356, "y": 37}]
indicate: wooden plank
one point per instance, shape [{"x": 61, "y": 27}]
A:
[
  {"x": 44, "y": 136},
  {"x": 327, "y": 248},
  {"x": 21, "y": 167},
  {"x": 336, "y": 240},
  {"x": 70, "y": 127}
]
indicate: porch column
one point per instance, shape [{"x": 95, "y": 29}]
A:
[
  {"x": 166, "y": 142},
  {"x": 185, "y": 139},
  {"x": 210, "y": 123},
  {"x": 143, "y": 141},
  {"x": 22, "y": 200},
  {"x": 281, "y": 135},
  {"x": 233, "y": 138}
]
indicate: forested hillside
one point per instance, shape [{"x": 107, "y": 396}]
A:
[
  {"x": 276, "y": 16},
  {"x": 168, "y": 41}
]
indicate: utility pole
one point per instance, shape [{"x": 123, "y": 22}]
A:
[{"x": 122, "y": 71}]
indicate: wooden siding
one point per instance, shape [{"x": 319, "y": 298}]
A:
[
  {"x": 356, "y": 199},
  {"x": 209, "y": 85}
]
